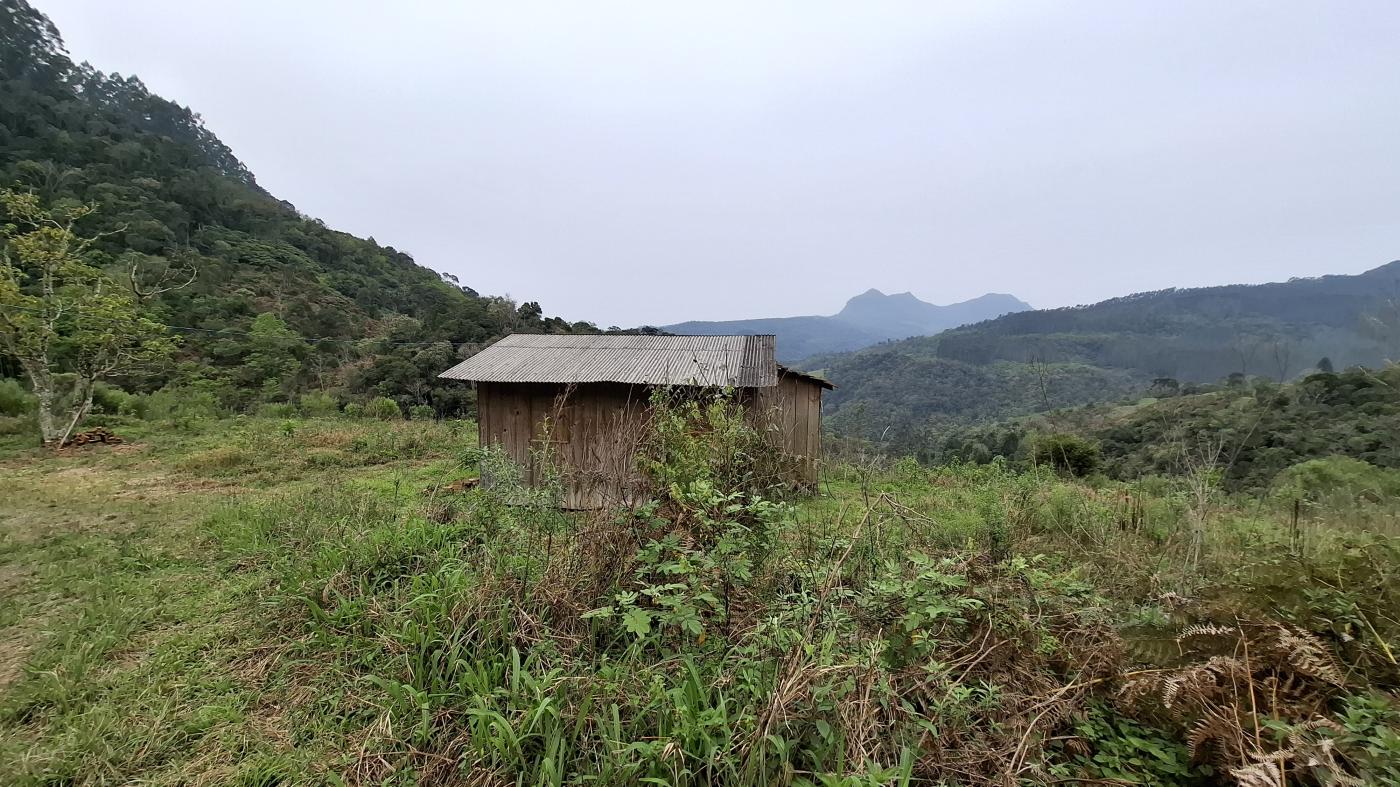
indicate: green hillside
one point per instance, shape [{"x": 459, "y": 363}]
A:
[
  {"x": 1204, "y": 334},
  {"x": 910, "y": 392},
  {"x": 340, "y": 313},
  {"x": 1253, "y": 435}
]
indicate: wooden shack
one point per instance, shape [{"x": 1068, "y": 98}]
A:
[{"x": 585, "y": 400}]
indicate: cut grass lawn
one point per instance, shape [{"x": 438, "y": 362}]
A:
[{"x": 133, "y": 642}]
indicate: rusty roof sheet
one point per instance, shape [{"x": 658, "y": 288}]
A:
[{"x": 731, "y": 361}]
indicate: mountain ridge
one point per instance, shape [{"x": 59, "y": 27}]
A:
[
  {"x": 866, "y": 319},
  {"x": 1034, "y": 361}
]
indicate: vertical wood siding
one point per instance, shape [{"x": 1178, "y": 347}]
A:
[
  {"x": 593, "y": 431},
  {"x": 791, "y": 414}
]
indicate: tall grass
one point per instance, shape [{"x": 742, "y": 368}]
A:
[
  {"x": 965, "y": 624},
  {"x": 954, "y": 625}
]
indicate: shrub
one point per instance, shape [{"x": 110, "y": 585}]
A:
[
  {"x": 15, "y": 399},
  {"x": 136, "y": 406},
  {"x": 1337, "y": 479},
  {"x": 317, "y": 404},
  {"x": 182, "y": 405},
  {"x": 1371, "y": 736},
  {"x": 709, "y": 439},
  {"x": 384, "y": 409},
  {"x": 1067, "y": 453},
  {"x": 18, "y": 425},
  {"x": 111, "y": 399},
  {"x": 277, "y": 410},
  {"x": 354, "y": 410},
  {"x": 422, "y": 412}
]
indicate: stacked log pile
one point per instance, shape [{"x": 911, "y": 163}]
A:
[{"x": 99, "y": 434}]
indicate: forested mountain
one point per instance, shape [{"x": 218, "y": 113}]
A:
[
  {"x": 902, "y": 315},
  {"x": 912, "y": 391},
  {"x": 1248, "y": 433},
  {"x": 1205, "y": 333},
  {"x": 867, "y": 319},
  {"x": 280, "y": 302}
]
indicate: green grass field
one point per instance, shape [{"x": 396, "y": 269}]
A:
[
  {"x": 263, "y": 601},
  {"x": 144, "y": 639}
]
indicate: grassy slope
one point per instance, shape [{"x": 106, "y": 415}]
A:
[
  {"x": 136, "y": 638},
  {"x": 261, "y": 602}
]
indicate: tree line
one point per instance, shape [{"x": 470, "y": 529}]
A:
[{"x": 259, "y": 302}]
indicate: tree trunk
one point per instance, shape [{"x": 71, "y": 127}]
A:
[
  {"x": 80, "y": 411},
  {"x": 55, "y": 430},
  {"x": 42, "y": 383},
  {"x": 48, "y": 426}
]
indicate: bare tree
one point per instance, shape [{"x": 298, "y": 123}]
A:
[
  {"x": 1281, "y": 351},
  {"x": 1245, "y": 348},
  {"x": 1042, "y": 380},
  {"x": 178, "y": 271}
]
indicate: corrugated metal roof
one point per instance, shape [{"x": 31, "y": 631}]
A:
[
  {"x": 801, "y": 375},
  {"x": 732, "y": 361}
]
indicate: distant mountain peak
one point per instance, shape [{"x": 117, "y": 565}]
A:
[
  {"x": 1390, "y": 267},
  {"x": 903, "y": 314},
  {"x": 866, "y": 319}
]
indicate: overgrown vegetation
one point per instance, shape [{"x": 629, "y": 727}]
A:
[
  {"x": 1258, "y": 431},
  {"x": 269, "y": 303},
  {"x": 316, "y": 600},
  {"x": 286, "y": 574}
]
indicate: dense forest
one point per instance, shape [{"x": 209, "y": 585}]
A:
[
  {"x": 1251, "y": 434},
  {"x": 1207, "y": 333},
  {"x": 910, "y": 392},
  {"x": 279, "y": 303}
]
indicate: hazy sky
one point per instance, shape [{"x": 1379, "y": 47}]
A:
[{"x": 652, "y": 162}]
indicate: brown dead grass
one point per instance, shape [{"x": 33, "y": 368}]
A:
[{"x": 159, "y": 487}]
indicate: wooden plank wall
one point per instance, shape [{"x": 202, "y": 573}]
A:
[
  {"x": 791, "y": 412},
  {"x": 594, "y": 431},
  {"x": 591, "y": 431}
]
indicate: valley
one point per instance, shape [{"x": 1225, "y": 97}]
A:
[{"x": 251, "y": 534}]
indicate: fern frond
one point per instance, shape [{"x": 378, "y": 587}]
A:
[
  {"x": 1308, "y": 655},
  {"x": 1260, "y": 774},
  {"x": 1216, "y": 726},
  {"x": 1205, "y": 630}
]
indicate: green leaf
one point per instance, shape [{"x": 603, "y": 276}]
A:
[{"x": 637, "y": 621}]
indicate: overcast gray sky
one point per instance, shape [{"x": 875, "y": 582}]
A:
[{"x": 652, "y": 162}]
